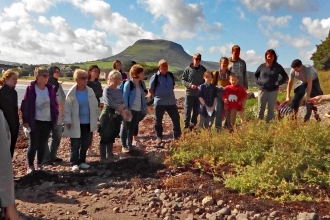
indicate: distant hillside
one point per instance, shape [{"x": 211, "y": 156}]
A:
[{"x": 154, "y": 50}]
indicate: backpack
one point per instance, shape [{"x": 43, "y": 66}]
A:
[
  {"x": 121, "y": 86},
  {"x": 156, "y": 80}
]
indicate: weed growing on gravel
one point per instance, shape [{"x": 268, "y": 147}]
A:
[{"x": 283, "y": 160}]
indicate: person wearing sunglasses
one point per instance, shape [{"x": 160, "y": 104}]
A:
[
  {"x": 40, "y": 113},
  {"x": 81, "y": 112},
  {"x": 192, "y": 78}
]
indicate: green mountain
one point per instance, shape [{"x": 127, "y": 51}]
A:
[{"x": 153, "y": 50}]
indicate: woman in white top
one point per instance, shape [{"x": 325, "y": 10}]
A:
[{"x": 39, "y": 112}]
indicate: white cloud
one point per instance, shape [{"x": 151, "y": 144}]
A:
[
  {"x": 39, "y": 6},
  {"x": 298, "y": 42},
  {"x": 266, "y": 23},
  {"x": 131, "y": 7},
  {"x": 250, "y": 56},
  {"x": 306, "y": 55},
  {"x": 182, "y": 20},
  {"x": 114, "y": 23},
  {"x": 274, "y": 5},
  {"x": 199, "y": 49},
  {"x": 273, "y": 43},
  {"x": 317, "y": 28},
  {"x": 21, "y": 41},
  {"x": 241, "y": 13}
]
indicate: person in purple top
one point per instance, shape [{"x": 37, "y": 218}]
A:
[{"x": 40, "y": 113}]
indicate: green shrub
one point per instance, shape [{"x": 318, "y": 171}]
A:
[{"x": 277, "y": 160}]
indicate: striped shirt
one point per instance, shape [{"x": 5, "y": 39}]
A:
[
  {"x": 284, "y": 110},
  {"x": 113, "y": 97}
]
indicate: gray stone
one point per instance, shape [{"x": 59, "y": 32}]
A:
[
  {"x": 102, "y": 186},
  {"x": 207, "y": 201},
  {"x": 224, "y": 211},
  {"x": 241, "y": 216},
  {"x": 220, "y": 203},
  {"x": 307, "y": 216}
]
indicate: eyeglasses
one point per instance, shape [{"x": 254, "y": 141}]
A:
[{"x": 83, "y": 78}]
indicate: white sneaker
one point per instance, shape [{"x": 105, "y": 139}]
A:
[
  {"x": 75, "y": 168},
  {"x": 84, "y": 166},
  {"x": 125, "y": 150}
]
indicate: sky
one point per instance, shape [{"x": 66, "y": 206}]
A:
[{"x": 68, "y": 31}]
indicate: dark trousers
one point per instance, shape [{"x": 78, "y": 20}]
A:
[
  {"x": 299, "y": 93},
  {"x": 14, "y": 136},
  {"x": 79, "y": 146},
  {"x": 38, "y": 141},
  {"x": 191, "y": 103},
  {"x": 109, "y": 127},
  {"x": 128, "y": 129},
  {"x": 173, "y": 112}
]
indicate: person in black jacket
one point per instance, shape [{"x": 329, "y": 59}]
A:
[
  {"x": 268, "y": 81},
  {"x": 93, "y": 81},
  {"x": 8, "y": 104}
]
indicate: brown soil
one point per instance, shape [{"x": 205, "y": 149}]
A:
[{"x": 58, "y": 193}]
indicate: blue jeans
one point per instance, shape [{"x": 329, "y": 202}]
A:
[
  {"x": 191, "y": 103},
  {"x": 38, "y": 139},
  {"x": 219, "y": 110},
  {"x": 173, "y": 112},
  {"x": 79, "y": 146},
  {"x": 51, "y": 151},
  {"x": 128, "y": 128}
]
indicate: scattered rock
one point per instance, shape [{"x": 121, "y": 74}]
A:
[
  {"x": 207, "y": 201},
  {"x": 82, "y": 212},
  {"x": 102, "y": 186},
  {"x": 307, "y": 216}
]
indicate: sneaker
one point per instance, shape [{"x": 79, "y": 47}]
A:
[
  {"x": 39, "y": 167},
  {"x": 75, "y": 168},
  {"x": 84, "y": 166},
  {"x": 30, "y": 169},
  {"x": 125, "y": 150}
]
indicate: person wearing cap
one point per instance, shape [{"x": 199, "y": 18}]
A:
[
  {"x": 192, "y": 78},
  {"x": 238, "y": 66},
  {"x": 308, "y": 84}
]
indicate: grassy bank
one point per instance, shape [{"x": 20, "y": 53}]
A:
[{"x": 283, "y": 160}]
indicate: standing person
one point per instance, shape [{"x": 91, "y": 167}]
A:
[
  {"x": 7, "y": 196},
  {"x": 207, "y": 94},
  {"x": 94, "y": 83},
  {"x": 309, "y": 84},
  {"x": 111, "y": 116},
  {"x": 117, "y": 66},
  {"x": 221, "y": 80},
  {"x": 238, "y": 66},
  {"x": 162, "y": 89},
  {"x": 192, "y": 77},
  {"x": 51, "y": 152},
  {"x": 233, "y": 97},
  {"x": 268, "y": 81},
  {"x": 40, "y": 113},
  {"x": 9, "y": 105},
  {"x": 135, "y": 102},
  {"x": 81, "y": 114}
]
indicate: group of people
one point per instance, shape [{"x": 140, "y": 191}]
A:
[{"x": 47, "y": 111}]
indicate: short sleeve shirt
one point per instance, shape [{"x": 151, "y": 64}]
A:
[
  {"x": 306, "y": 72},
  {"x": 42, "y": 104}
]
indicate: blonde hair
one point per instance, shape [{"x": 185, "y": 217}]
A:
[
  {"x": 6, "y": 75},
  {"x": 114, "y": 74},
  {"x": 135, "y": 70},
  {"x": 197, "y": 55},
  {"x": 223, "y": 59},
  {"x": 78, "y": 72},
  {"x": 41, "y": 70}
]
